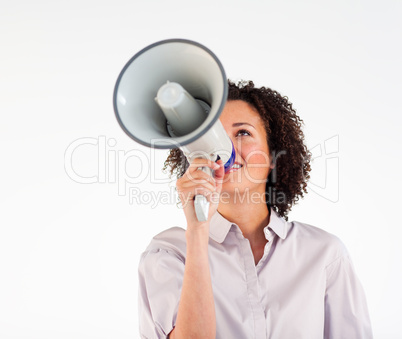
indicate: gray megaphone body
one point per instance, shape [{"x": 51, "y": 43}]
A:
[{"x": 170, "y": 95}]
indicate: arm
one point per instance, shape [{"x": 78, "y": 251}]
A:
[
  {"x": 346, "y": 314},
  {"x": 196, "y": 313}
]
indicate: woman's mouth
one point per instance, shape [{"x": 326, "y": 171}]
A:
[{"x": 235, "y": 167}]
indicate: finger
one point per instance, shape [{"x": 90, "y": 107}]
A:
[
  {"x": 199, "y": 176},
  {"x": 220, "y": 171},
  {"x": 219, "y": 175},
  {"x": 199, "y": 162},
  {"x": 196, "y": 177},
  {"x": 187, "y": 197},
  {"x": 190, "y": 185}
]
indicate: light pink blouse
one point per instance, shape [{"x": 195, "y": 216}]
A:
[{"x": 304, "y": 287}]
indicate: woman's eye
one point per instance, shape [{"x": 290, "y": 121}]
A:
[{"x": 242, "y": 132}]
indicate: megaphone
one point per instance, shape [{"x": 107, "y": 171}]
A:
[{"x": 170, "y": 95}]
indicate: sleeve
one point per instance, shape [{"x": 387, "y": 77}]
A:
[
  {"x": 346, "y": 312},
  {"x": 160, "y": 281}
]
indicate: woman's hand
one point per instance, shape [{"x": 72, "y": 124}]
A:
[
  {"x": 196, "y": 313},
  {"x": 194, "y": 182}
]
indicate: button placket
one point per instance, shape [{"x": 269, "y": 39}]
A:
[{"x": 252, "y": 285}]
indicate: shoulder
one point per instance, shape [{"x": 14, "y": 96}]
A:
[
  {"x": 171, "y": 242},
  {"x": 316, "y": 240},
  {"x": 304, "y": 230}
]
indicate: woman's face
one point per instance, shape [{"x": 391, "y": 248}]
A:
[{"x": 246, "y": 129}]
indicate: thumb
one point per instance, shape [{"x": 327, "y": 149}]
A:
[{"x": 219, "y": 174}]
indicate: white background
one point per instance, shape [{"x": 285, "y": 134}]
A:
[{"x": 69, "y": 251}]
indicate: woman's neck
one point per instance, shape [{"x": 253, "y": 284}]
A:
[{"x": 250, "y": 215}]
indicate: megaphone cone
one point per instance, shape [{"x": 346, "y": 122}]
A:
[{"x": 190, "y": 87}]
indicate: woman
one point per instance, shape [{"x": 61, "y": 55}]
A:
[{"x": 247, "y": 272}]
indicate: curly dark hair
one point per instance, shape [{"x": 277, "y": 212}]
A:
[{"x": 287, "y": 182}]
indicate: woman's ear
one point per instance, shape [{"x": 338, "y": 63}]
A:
[
  {"x": 272, "y": 160},
  {"x": 272, "y": 164}
]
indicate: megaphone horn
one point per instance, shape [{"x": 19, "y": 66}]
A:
[{"x": 171, "y": 94}]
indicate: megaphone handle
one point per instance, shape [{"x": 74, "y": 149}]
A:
[{"x": 201, "y": 204}]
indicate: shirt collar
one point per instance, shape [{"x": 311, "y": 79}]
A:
[
  {"x": 219, "y": 226},
  {"x": 277, "y": 224}
]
